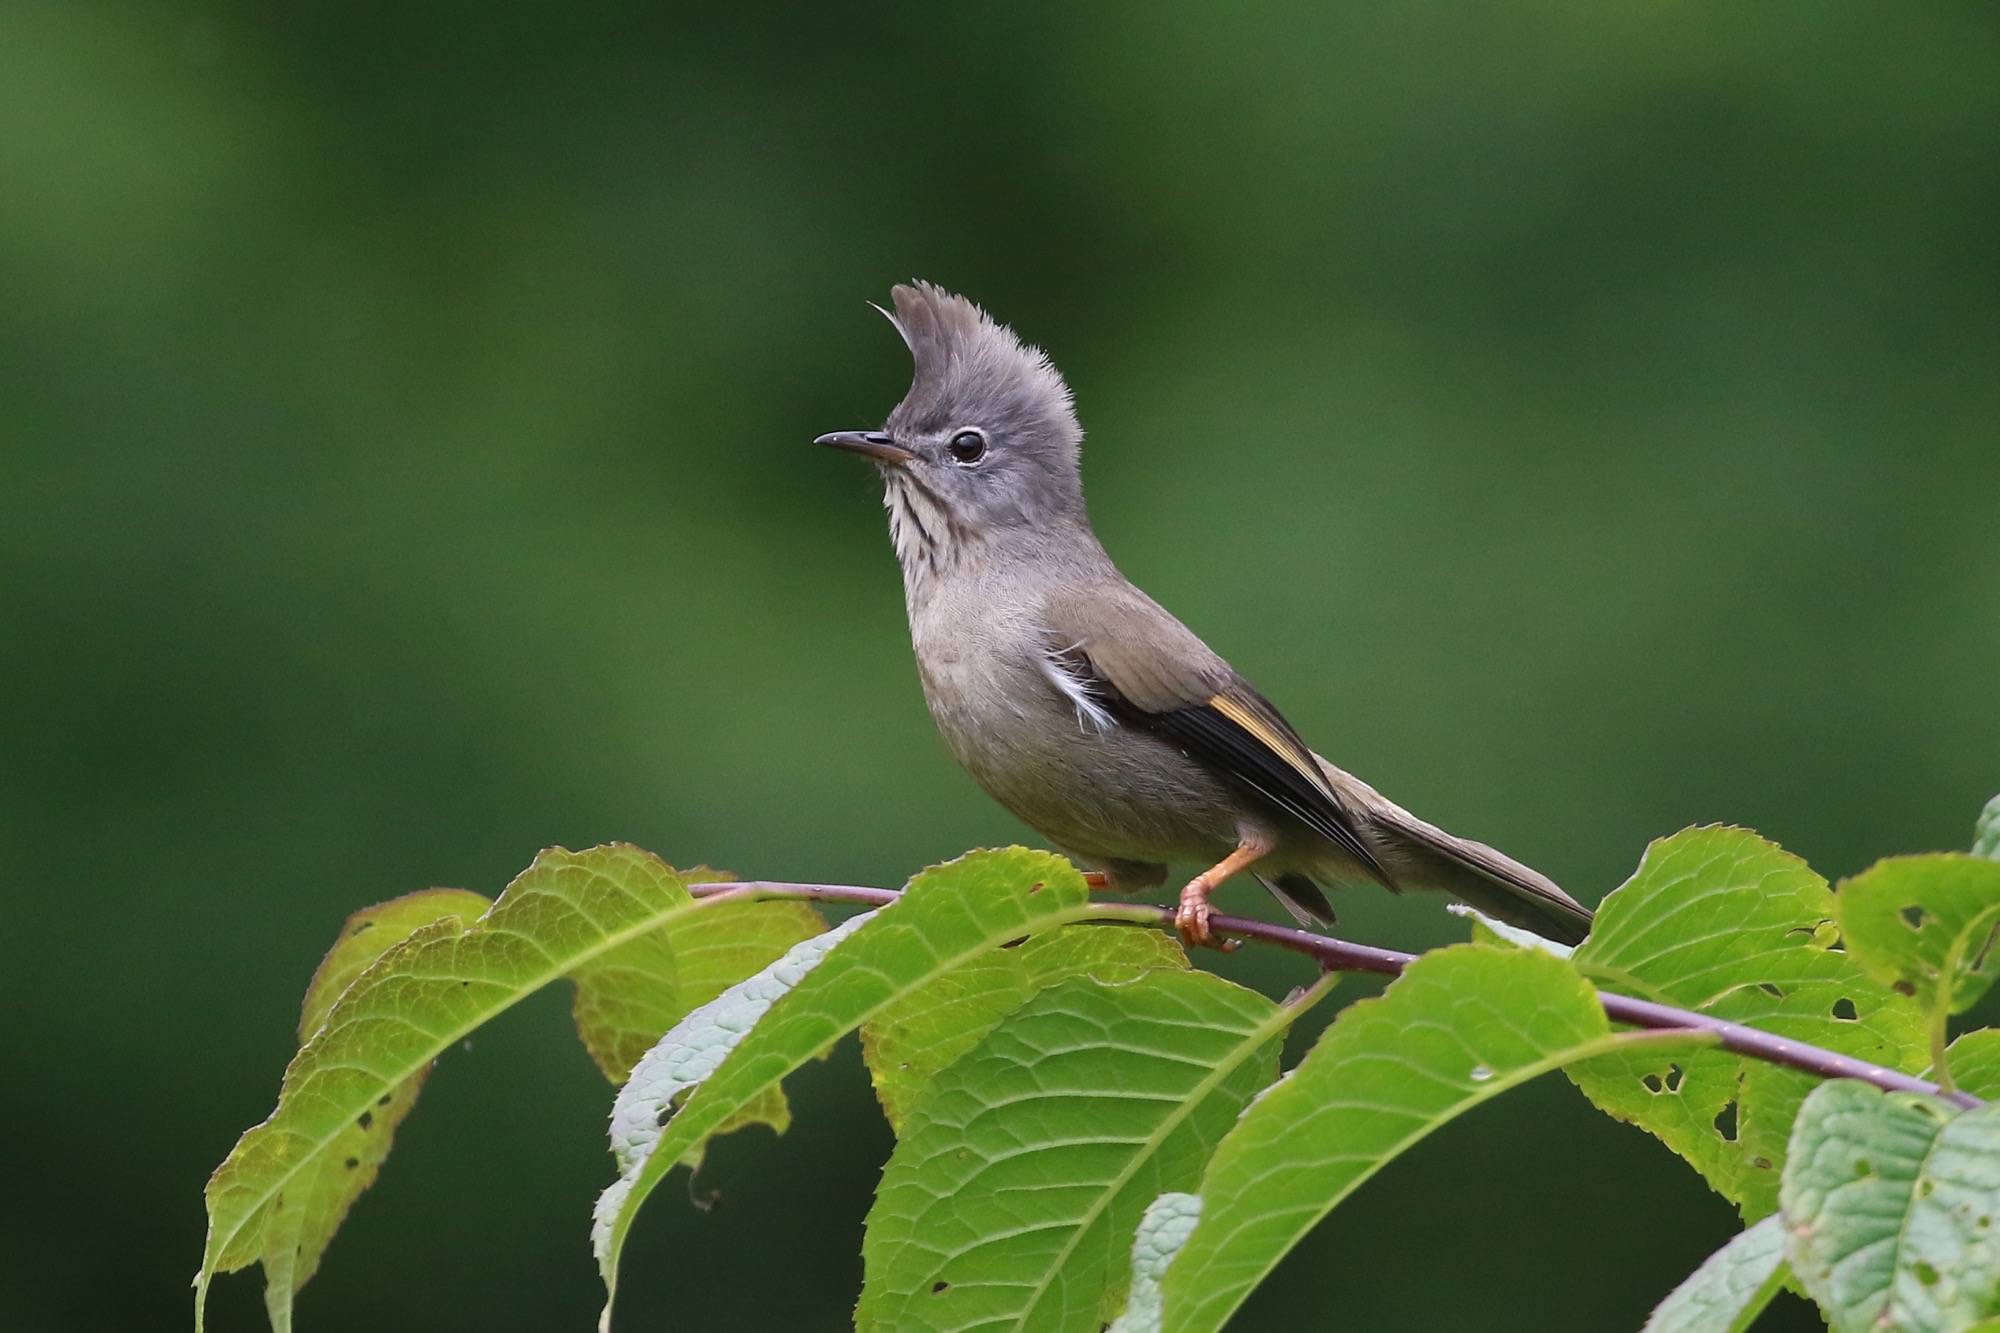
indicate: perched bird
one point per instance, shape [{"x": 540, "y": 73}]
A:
[{"x": 1077, "y": 701}]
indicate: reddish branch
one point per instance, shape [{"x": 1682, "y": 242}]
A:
[{"x": 1342, "y": 956}]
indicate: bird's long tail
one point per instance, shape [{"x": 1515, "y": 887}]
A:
[
  {"x": 1423, "y": 856},
  {"x": 1481, "y": 877}
]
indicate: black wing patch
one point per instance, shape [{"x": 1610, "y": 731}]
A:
[
  {"x": 1238, "y": 732},
  {"x": 1218, "y": 735}
]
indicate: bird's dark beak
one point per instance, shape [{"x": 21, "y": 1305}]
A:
[{"x": 870, "y": 443}]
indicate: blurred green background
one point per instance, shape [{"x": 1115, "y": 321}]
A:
[{"x": 1580, "y": 417}]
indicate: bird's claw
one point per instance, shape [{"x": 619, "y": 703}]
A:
[{"x": 1192, "y": 918}]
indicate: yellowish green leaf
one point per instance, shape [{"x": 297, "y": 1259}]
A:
[{"x": 385, "y": 1027}]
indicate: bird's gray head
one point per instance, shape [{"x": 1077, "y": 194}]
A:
[{"x": 984, "y": 446}]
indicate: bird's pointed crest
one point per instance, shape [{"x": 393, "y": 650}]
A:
[{"x": 965, "y": 357}]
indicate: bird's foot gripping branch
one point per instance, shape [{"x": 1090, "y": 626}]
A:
[{"x": 1792, "y": 1043}]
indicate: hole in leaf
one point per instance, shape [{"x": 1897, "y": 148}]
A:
[
  {"x": 1674, "y": 1076},
  {"x": 1925, "y": 1273},
  {"x": 383, "y": 1100},
  {"x": 1770, "y": 990},
  {"x": 1654, "y": 1083},
  {"x": 1725, "y": 1122},
  {"x": 353, "y": 1162},
  {"x": 1015, "y": 944},
  {"x": 365, "y": 1119},
  {"x": 1843, "y": 1009},
  {"x": 937, "y": 1287},
  {"x": 1913, "y": 916}
]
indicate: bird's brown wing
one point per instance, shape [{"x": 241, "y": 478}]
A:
[
  {"x": 1238, "y": 731},
  {"x": 1151, "y": 672}
]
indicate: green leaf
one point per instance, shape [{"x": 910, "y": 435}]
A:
[
  {"x": 293, "y": 1238},
  {"x": 372, "y": 932},
  {"x": 1459, "y": 1027},
  {"x": 1974, "y": 1061},
  {"x": 1168, "y": 1222},
  {"x": 1986, "y": 834},
  {"x": 398, "y": 1014},
  {"x": 628, "y": 998},
  {"x": 912, "y": 1040},
  {"x": 1731, "y": 1288},
  {"x": 1927, "y": 926},
  {"x": 1722, "y": 922},
  {"x": 948, "y": 915},
  {"x": 682, "y": 1059},
  {"x": 1889, "y": 1205},
  {"x": 1020, "y": 1174}
]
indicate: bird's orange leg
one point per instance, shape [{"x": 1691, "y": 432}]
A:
[{"x": 1192, "y": 918}]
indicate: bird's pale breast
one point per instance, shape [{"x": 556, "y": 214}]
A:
[{"x": 1092, "y": 785}]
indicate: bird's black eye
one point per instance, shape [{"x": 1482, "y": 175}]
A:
[{"x": 967, "y": 447}]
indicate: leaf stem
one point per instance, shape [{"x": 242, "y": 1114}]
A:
[
  {"x": 1940, "y": 1060},
  {"x": 1336, "y": 955}
]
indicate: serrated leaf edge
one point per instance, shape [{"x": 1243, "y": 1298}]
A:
[
  {"x": 683, "y": 1058},
  {"x": 1163, "y": 1229},
  {"x": 216, "y": 1244}
]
